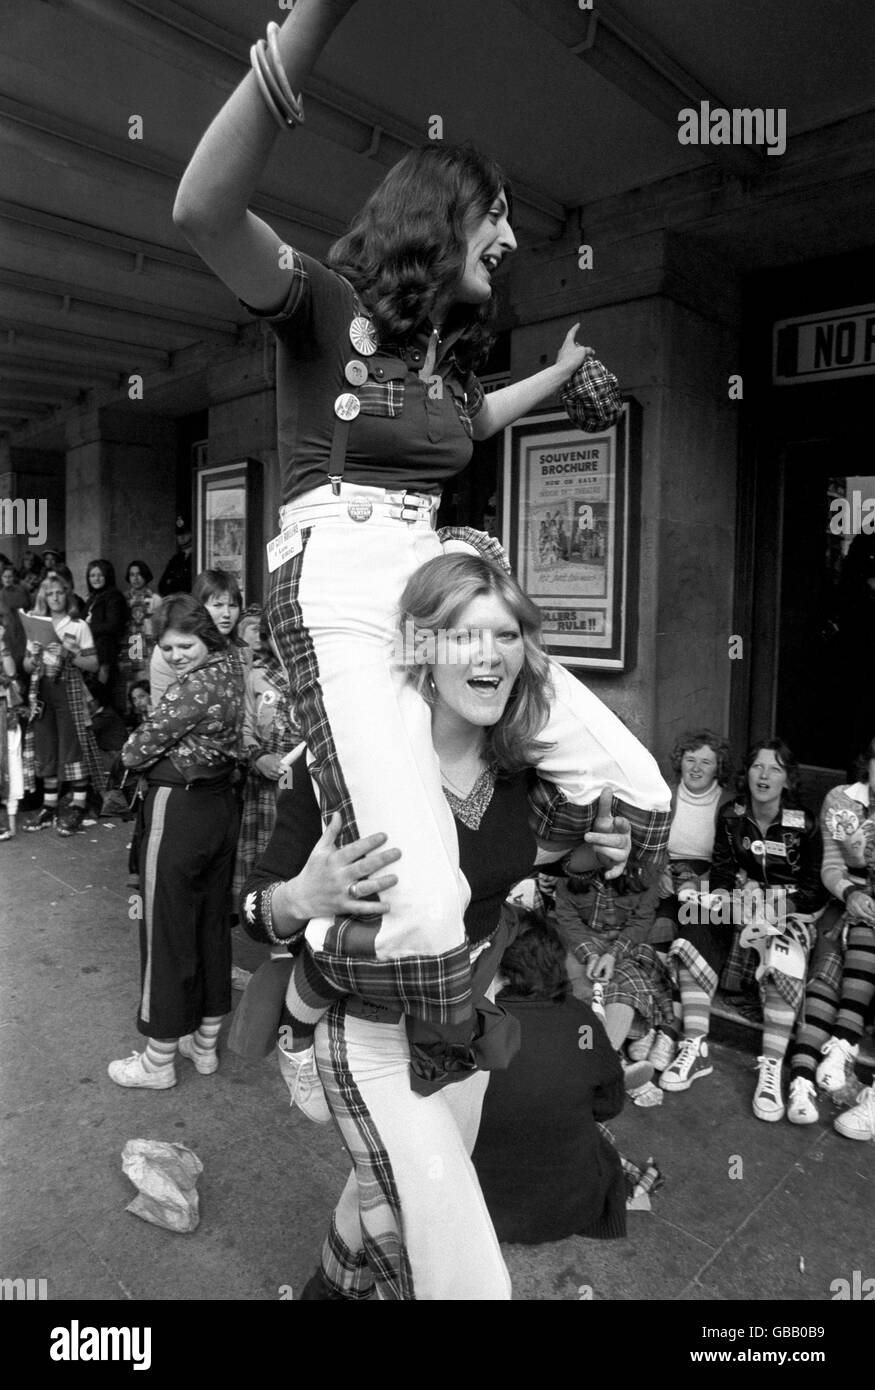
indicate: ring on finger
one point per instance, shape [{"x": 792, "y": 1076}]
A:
[{"x": 352, "y": 890}]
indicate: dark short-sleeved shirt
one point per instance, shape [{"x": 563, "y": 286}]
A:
[{"x": 410, "y": 433}]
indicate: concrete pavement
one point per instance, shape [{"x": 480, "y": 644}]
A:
[{"x": 749, "y": 1210}]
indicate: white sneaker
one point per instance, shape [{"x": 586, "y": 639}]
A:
[
  {"x": 690, "y": 1063},
  {"x": 802, "y": 1107},
  {"x": 663, "y": 1050},
  {"x": 132, "y": 1071},
  {"x": 768, "y": 1103},
  {"x": 639, "y": 1048},
  {"x": 305, "y": 1088},
  {"x": 837, "y": 1066},
  {"x": 206, "y": 1062},
  {"x": 859, "y": 1121}
]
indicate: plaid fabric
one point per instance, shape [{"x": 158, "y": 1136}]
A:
[
  {"x": 487, "y": 546},
  {"x": 382, "y": 398},
  {"x": 684, "y": 951},
  {"x": 379, "y": 1199},
  {"x": 298, "y": 284},
  {"x": 646, "y": 1179},
  {"x": 739, "y": 972},
  {"x": 434, "y": 988},
  {"x": 345, "y": 1271},
  {"x": 592, "y": 397},
  {"x": 641, "y": 980},
  {"x": 259, "y": 795},
  {"x": 92, "y": 766},
  {"x": 556, "y": 820}
]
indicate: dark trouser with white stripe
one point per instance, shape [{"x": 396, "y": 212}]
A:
[{"x": 186, "y": 863}]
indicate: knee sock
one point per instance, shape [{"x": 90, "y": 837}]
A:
[
  {"x": 50, "y": 793},
  {"x": 80, "y": 794},
  {"x": 816, "y": 1026},
  {"x": 618, "y": 1021},
  {"x": 159, "y": 1054},
  {"x": 309, "y": 996},
  {"x": 858, "y": 983},
  {"x": 207, "y": 1035},
  {"x": 778, "y": 1020},
  {"x": 695, "y": 1005}
]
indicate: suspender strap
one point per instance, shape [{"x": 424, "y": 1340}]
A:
[{"x": 340, "y": 437}]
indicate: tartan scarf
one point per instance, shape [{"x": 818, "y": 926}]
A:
[{"x": 74, "y": 688}]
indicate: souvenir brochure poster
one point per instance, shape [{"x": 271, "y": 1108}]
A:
[
  {"x": 565, "y": 522},
  {"x": 227, "y": 509}
]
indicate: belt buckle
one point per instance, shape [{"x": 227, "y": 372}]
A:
[{"x": 413, "y": 509}]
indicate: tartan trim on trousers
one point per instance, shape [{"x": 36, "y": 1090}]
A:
[
  {"x": 345, "y": 1271},
  {"x": 554, "y": 818},
  {"x": 294, "y": 644},
  {"x": 385, "y": 1252},
  {"x": 434, "y": 988}
]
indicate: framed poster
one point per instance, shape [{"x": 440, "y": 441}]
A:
[
  {"x": 229, "y": 523},
  {"x": 570, "y": 526}
]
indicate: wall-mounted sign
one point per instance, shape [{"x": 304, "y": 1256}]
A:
[
  {"x": 821, "y": 347},
  {"x": 567, "y": 503},
  {"x": 229, "y": 529}
]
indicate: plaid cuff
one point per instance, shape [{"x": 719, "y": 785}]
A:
[
  {"x": 592, "y": 397},
  {"x": 299, "y": 282},
  {"x": 555, "y": 819}
]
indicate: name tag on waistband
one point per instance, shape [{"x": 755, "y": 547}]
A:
[{"x": 283, "y": 546}]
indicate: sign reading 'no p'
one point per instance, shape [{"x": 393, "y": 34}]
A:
[{"x": 821, "y": 347}]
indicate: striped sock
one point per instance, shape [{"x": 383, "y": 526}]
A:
[
  {"x": 309, "y": 996},
  {"x": 207, "y": 1036},
  {"x": 858, "y": 983},
  {"x": 815, "y": 1027},
  {"x": 158, "y": 1054},
  {"x": 778, "y": 1021},
  {"x": 80, "y": 794},
  {"x": 696, "y": 1005},
  {"x": 50, "y": 792}
]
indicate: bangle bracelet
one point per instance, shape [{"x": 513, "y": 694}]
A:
[
  {"x": 266, "y": 93},
  {"x": 294, "y": 104}
]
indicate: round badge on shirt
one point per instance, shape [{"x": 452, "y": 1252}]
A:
[
  {"x": 355, "y": 372},
  {"x": 347, "y": 406},
  {"x": 363, "y": 336},
  {"x": 758, "y": 848}
]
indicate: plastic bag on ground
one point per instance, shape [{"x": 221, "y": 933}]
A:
[{"x": 166, "y": 1175}]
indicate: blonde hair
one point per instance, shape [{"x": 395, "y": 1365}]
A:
[{"x": 432, "y": 601}]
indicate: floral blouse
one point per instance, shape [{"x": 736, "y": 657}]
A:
[{"x": 198, "y": 722}]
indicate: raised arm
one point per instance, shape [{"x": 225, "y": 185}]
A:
[
  {"x": 212, "y": 203},
  {"x": 501, "y": 408}
]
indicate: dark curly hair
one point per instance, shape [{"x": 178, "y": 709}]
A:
[
  {"x": 534, "y": 964},
  {"x": 184, "y": 613},
  {"x": 786, "y": 759},
  {"x": 406, "y": 248},
  {"x": 698, "y": 738},
  {"x": 142, "y": 567}
]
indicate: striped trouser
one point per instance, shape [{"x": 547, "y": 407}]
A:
[
  {"x": 333, "y": 611},
  {"x": 186, "y": 861},
  {"x": 411, "y": 1222}
]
